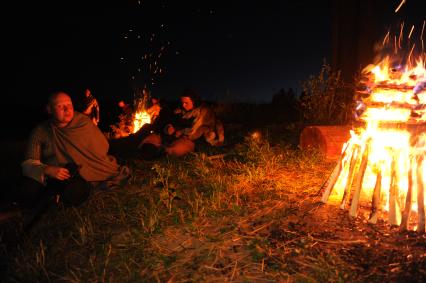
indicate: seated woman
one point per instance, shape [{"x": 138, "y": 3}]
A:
[{"x": 193, "y": 120}]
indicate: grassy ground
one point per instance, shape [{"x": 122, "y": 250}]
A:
[{"x": 245, "y": 213}]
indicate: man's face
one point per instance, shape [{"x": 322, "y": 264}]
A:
[
  {"x": 61, "y": 109},
  {"x": 187, "y": 103}
]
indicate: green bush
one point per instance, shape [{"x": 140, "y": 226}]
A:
[{"x": 326, "y": 99}]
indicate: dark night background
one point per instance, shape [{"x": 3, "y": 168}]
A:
[{"x": 228, "y": 50}]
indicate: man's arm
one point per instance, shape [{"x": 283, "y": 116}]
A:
[{"x": 32, "y": 166}]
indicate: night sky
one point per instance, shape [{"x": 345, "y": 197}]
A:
[
  {"x": 235, "y": 50},
  {"x": 246, "y": 48}
]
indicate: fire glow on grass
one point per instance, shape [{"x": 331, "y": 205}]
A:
[{"x": 383, "y": 162}]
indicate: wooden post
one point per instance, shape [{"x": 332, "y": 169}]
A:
[
  {"x": 358, "y": 182},
  {"x": 420, "y": 196},
  {"x": 394, "y": 211},
  {"x": 350, "y": 177},
  {"x": 334, "y": 176},
  {"x": 408, "y": 200},
  {"x": 332, "y": 181},
  {"x": 375, "y": 205}
]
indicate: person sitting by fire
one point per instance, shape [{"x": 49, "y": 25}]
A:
[
  {"x": 127, "y": 146},
  {"x": 193, "y": 120},
  {"x": 91, "y": 107},
  {"x": 67, "y": 156},
  {"x": 154, "y": 108},
  {"x": 125, "y": 125}
]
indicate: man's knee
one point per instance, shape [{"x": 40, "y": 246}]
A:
[
  {"x": 180, "y": 147},
  {"x": 76, "y": 192},
  {"x": 150, "y": 147},
  {"x": 153, "y": 139}
]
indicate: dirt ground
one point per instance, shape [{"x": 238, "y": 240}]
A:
[
  {"x": 313, "y": 243},
  {"x": 274, "y": 235}
]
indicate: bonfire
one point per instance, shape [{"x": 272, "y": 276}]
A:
[
  {"x": 382, "y": 164},
  {"x": 131, "y": 121},
  {"x": 141, "y": 117}
]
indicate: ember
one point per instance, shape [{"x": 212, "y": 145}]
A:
[{"x": 382, "y": 163}]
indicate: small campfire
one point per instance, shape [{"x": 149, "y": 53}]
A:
[
  {"x": 141, "y": 117},
  {"x": 382, "y": 165},
  {"x": 134, "y": 118}
]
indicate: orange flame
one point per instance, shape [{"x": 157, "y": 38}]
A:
[
  {"x": 141, "y": 118},
  {"x": 387, "y": 151}
]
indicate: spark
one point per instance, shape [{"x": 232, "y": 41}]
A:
[
  {"x": 400, "y": 5},
  {"x": 411, "y": 31},
  {"x": 386, "y": 37},
  {"x": 396, "y": 47},
  {"x": 400, "y": 34},
  {"x": 411, "y": 51},
  {"x": 421, "y": 35}
]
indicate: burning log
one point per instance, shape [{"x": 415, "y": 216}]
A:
[
  {"x": 334, "y": 176},
  {"x": 394, "y": 211},
  {"x": 375, "y": 205},
  {"x": 408, "y": 201},
  {"x": 358, "y": 183},
  {"x": 420, "y": 196},
  {"x": 350, "y": 178}
]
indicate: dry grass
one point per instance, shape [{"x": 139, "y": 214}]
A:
[{"x": 246, "y": 214}]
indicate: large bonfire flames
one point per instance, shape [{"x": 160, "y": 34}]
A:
[{"x": 383, "y": 162}]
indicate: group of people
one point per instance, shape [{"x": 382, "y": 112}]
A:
[
  {"x": 68, "y": 155},
  {"x": 176, "y": 131}
]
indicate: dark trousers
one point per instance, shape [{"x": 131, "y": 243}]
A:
[
  {"x": 72, "y": 192},
  {"x": 127, "y": 147}
]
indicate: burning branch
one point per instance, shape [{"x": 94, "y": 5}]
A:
[
  {"x": 408, "y": 200},
  {"x": 420, "y": 195},
  {"x": 358, "y": 183},
  {"x": 375, "y": 206}
]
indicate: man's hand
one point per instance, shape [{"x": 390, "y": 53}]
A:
[
  {"x": 170, "y": 130},
  {"x": 56, "y": 172}
]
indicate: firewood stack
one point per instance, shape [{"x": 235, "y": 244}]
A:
[{"x": 381, "y": 166}]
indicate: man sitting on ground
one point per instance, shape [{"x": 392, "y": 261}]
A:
[{"x": 66, "y": 155}]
